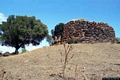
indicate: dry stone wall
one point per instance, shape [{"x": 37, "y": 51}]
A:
[{"x": 88, "y": 32}]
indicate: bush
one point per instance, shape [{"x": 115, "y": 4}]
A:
[
  {"x": 76, "y": 41},
  {"x": 13, "y": 53},
  {"x": 72, "y": 41},
  {"x": 118, "y": 40},
  {"x": 24, "y": 50},
  {"x": 0, "y": 53}
]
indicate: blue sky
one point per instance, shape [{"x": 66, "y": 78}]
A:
[{"x": 52, "y": 12}]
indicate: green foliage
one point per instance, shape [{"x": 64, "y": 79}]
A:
[
  {"x": 57, "y": 31},
  {"x": 21, "y": 30},
  {"x": 118, "y": 40},
  {"x": 24, "y": 50},
  {"x": 49, "y": 39},
  {"x": 0, "y": 53},
  {"x": 76, "y": 41},
  {"x": 13, "y": 53},
  {"x": 71, "y": 41}
]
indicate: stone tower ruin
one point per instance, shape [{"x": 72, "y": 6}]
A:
[{"x": 88, "y": 32}]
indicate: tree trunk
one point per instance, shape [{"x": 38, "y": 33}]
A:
[{"x": 16, "y": 51}]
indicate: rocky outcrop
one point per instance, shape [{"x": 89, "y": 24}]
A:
[
  {"x": 6, "y": 54},
  {"x": 88, "y": 32}
]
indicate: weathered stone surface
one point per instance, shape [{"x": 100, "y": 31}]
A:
[{"x": 88, "y": 32}]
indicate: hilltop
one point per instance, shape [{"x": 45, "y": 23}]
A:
[{"x": 94, "y": 62}]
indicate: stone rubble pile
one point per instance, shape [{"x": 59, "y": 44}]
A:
[{"x": 88, "y": 32}]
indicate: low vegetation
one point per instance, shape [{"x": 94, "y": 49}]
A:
[
  {"x": 118, "y": 40},
  {"x": 23, "y": 50},
  {"x": 71, "y": 41},
  {"x": 0, "y": 53}
]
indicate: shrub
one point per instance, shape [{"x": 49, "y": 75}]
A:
[
  {"x": 118, "y": 40},
  {"x": 76, "y": 41},
  {"x": 24, "y": 50},
  {"x": 72, "y": 41},
  {"x": 0, "y": 53},
  {"x": 13, "y": 53}
]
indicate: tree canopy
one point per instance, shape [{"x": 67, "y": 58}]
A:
[
  {"x": 57, "y": 31},
  {"x": 18, "y": 31}
]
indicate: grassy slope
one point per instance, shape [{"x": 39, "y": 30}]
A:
[{"x": 93, "y": 60}]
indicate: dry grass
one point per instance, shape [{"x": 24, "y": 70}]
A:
[{"x": 93, "y": 61}]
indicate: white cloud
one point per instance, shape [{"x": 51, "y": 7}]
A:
[
  {"x": 5, "y": 49},
  {"x": 31, "y": 47},
  {"x": 2, "y": 17}
]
